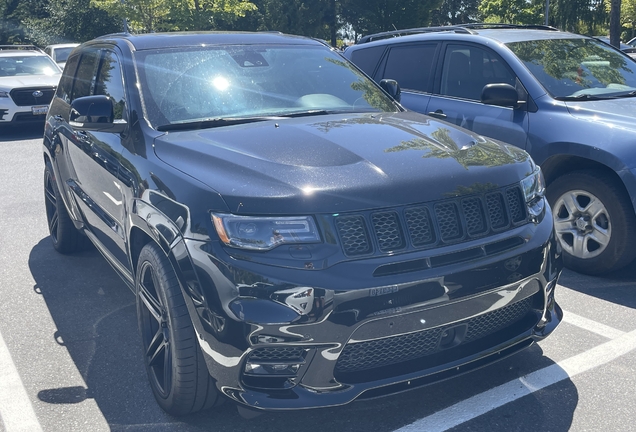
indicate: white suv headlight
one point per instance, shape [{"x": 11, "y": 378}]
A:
[
  {"x": 4, "y": 94},
  {"x": 264, "y": 233},
  {"x": 533, "y": 188}
]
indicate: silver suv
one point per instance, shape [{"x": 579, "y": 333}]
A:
[{"x": 28, "y": 79}]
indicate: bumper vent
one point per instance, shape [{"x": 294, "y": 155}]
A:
[
  {"x": 427, "y": 225},
  {"x": 277, "y": 354},
  {"x": 397, "y": 349}
]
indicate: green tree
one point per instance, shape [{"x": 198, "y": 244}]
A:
[
  {"x": 71, "y": 21},
  {"x": 163, "y": 15},
  {"x": 513, "y": 11},
  {"x": 372, "y": 16},
  {"x": 453, "y": 12}
]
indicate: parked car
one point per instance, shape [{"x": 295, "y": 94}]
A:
[
  {"x": 28, "y": 79},
  {"x": 569, "y": 100},
  {"x": 625, "y": 47},
  {"x": 293, "y": 237},
  {"x": 60, "y": 52}
]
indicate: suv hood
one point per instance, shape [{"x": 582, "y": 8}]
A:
[
  {"x": 337, "y": 163},
  {"x": 11, "y": 82},
  {"x": 618, "y": 112}
]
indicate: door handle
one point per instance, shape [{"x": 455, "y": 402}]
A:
[{"x": 437, "y": 114}]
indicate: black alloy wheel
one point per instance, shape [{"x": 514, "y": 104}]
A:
[
  {"x": 593, "y": 220},
  {"x": 176, "y": 369},
  {"x": 66, "y": 238}
]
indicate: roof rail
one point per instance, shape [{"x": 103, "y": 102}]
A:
[
  {"x": 405, "y": 32},
  {"x": 508, "y": 26},
  {"x": 20, "y": 47},
  {"x": 459, "y": 28}
]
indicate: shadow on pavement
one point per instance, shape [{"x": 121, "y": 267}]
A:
[
  {"x": 95, "y": 317},
  {"x": 21, "y": 132},
  {"x": 618, "y": 287}
]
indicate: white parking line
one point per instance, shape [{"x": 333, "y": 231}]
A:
[
  {"x": 592, "y": 326},
  {"x": 16, "y": 410},
  {"x": 496, "y": 397}
]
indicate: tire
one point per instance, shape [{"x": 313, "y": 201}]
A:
[
  {"x": 594, "y": 221},
  {"x": 66, "y": 238},
  {"x": 178, "y": 376}
]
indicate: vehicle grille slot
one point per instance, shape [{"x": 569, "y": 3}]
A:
[
  {"x": 282, "y": 353},
  {"x": 448, "y": 221},
  {"x": 496, "y": 211},
  {"x": 418, "y": 220},
  {"x": 373, "y": 354},
  {"x": 474, "y": 215},
  {"x": 353, "y": 234},
  {"x": 387, "y": 230},
  {"x": 516, "y": 205},
  {"x": 24, "y": 97}
]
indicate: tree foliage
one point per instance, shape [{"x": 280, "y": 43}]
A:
[
  {"x": 453, "y": 12},
  {"x": 513, "y": 11},
  {"x": 372, "y": 16}
]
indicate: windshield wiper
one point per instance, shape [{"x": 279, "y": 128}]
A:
[
  {"x": 211, "y": 123},
  {"x": 626, "y": 95},
  {"x": 584, "y": 96},
  {"x": 229, "y": 121}
]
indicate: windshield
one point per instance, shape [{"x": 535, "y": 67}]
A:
[
  {"x": 578, "y": 68},
  {"x": 61, "y": 54},
  {"x": 27, "y": 65},
  {"x": 249, "y": 82}
]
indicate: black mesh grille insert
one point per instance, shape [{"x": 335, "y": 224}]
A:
[
  {"x": 516, "y": 205},
  {"x": 282, "y": 353},
  {"x": 353, "y": 234},
  {"x": 420, "y": 226},
  {"x": 447, "y": 221},
  {"x": 496, "y": 210},
  {"x": 382, "y": 352},
  {"x": 387, "y": 229},
  {"x": 25, "y": 97},
  {"x": 474, "y": 214}
]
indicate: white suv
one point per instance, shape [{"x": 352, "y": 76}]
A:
[
  {"x": 60, "y": 52},
  {"x": 28, "y": 79}
]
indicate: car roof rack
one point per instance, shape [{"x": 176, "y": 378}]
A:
[
  {"x": 459, "y": 28},
  {"x": 20, "y": 47}
]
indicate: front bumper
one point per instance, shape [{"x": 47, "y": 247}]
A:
[{"x": 303, "y": 345}]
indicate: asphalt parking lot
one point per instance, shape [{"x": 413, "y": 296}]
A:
[{"x": 70, "y": 356}]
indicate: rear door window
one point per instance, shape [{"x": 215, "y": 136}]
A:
[{"x": 411, "y": 66}]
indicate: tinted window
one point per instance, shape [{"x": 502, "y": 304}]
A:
[
  {"x": 110, "y": 83},
  {"x": 411, "y": 66},
  {"x": 467, "y": 69},
  {"x": 66, "y": 82},
  {"x": 367, "y": 59},
  {"x": 85, "y": 77}
]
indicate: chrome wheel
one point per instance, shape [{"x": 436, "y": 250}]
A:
[
  {"x": 582, "y": 224},
  {"x": 155, "y": 331}
]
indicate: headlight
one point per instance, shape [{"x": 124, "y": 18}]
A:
[
  {"x": 264, "y": 233},
  {"x": 533, "y": 188},
  {"x": 4, "y": 94}
]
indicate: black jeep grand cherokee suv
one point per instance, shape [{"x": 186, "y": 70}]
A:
[{"x": 293, "y": 237}]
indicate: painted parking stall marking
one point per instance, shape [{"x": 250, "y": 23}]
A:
[
  {"x": 468, "y": 409},
  {"x": 16, "y": 411}
]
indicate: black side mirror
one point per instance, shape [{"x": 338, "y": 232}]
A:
[
  {"x": 501, "y": 95},
  {"x": 392, "y": 88},
  {"x": 95, "y": 113}
]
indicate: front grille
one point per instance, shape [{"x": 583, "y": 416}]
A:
[
  {"x": 427, "y": 225},
  {"x": 24, "y": 97},
  {"x": 397, "y": 349}
]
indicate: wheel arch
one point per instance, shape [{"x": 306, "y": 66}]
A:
[{"x": 558, "y": 165}]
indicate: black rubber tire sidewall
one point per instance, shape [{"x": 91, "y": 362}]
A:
[{"x": 197, "y": 391}]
